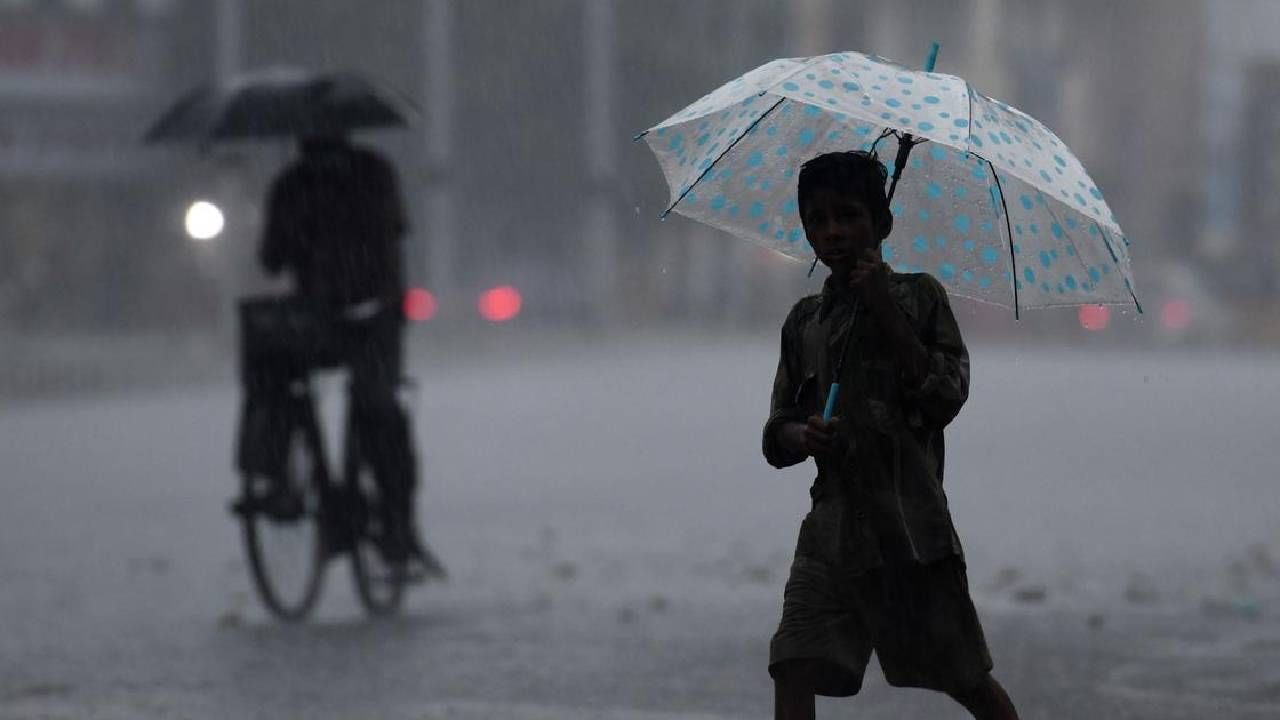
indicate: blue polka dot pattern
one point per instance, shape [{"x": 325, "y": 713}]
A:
[{"x": 992, "y": 198}]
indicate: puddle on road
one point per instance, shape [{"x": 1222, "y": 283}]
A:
[{"x": 1234, "y": 678}]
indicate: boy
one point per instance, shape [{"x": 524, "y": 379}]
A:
[{"x": 878, "y": 565}]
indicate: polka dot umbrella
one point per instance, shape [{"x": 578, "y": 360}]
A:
[{"x": 991, "y": 202}]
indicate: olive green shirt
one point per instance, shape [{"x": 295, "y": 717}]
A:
[{"x": 880, "y": 497}]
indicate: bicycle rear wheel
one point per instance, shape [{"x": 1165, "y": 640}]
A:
[
  {"x": 282, "y": 530},
  {"x": 380, "y": 584}
]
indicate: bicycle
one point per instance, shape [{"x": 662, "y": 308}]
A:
[{"x": 306, "y": 514}]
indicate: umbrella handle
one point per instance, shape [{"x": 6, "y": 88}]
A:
[
  {"x": 906, "y": 141},
  {"x": 904, "y": 148},
  {"x": 831, "y": 402}
]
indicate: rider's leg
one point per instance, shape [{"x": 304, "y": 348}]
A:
[
  {"x": 385, "y": 436},
  {"x": 262, "y": 447}
]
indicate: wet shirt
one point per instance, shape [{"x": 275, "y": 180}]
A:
[
  {"x": 881, "y": 498},
  {"x": 336, "y": 220}
]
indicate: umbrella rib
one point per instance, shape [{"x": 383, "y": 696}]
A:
[
  {"x": 969, "y": 140},
  {"x": 1008, "y": 232},
  {"x": 883, "y": 134},
  {"x": 1127, "y": 284},
  {"x": 736, "y": 140}
]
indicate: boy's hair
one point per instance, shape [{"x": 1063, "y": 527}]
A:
[{"x": 855, "y": 171}]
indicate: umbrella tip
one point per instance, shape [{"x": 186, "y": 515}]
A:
[
  {"x": 637, "y": 138},
  {"x": 933, "y": 56}
]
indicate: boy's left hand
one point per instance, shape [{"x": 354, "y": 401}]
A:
[{"x": 870, "y": 279}]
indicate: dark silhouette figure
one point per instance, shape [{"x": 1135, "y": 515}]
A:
[
  {"x": 336, "y": 223},
  {"x": 878, "y": 565}
]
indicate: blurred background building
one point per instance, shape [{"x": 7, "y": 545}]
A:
[
  {"x": 83, "y": 242},
  {"x": 521, "y": 171}
]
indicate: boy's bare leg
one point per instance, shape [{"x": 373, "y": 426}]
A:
[
  {"x": 987, "y": 701},
  {"x": 793, "y": 696}
]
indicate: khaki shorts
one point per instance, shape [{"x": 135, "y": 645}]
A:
[{"x": 919, "y": 620}]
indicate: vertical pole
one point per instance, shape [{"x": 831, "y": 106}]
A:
[
  {"x": 441, "y": 231},
  {"x": 230, "y": 25},
  {"x": 810, "y": 29},
  {"x": 986, "y": 30},
  {"x": 228, "y": 53},
  {"x": 599, "y": 223},
  {"x": 889, "y": 29}
]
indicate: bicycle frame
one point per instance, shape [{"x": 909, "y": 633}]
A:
[{"x": 284, "y": 351}]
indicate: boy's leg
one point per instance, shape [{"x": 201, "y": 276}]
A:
[
  {"x": 987, "y": 701},
  {"x": 793, "y": 690}
]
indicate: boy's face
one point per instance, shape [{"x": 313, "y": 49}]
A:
[{"x": 840, "y": 228}]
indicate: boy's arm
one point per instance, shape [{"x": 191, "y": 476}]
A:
[
  {"x": 937, "y": 384},
  {"x": 933, "y": 358},
  {"x": 782, "y": 405}
]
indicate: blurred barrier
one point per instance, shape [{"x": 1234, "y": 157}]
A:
[{"x": 42, "y": 367}]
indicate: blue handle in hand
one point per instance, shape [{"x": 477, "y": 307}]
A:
[{"x": 831, "y": 402}]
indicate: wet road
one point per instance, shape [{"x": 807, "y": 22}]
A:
[{"x": 618, "y": 546}]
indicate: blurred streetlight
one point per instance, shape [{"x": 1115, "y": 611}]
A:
[{"x": 204, "y": 220}]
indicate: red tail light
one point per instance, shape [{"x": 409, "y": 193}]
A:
[
  {"x": 1176, "y": 315},
  {"x": 419, "y": 305},
  {"x": 500, "y": 304},
  {"x": 1095, "y": 317}
]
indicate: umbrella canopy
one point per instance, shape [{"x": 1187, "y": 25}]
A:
[
  {"x": 992, "y": 203},
  {"x": 275, "y": 103}
]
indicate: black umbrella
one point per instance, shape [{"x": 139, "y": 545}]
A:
[{"x": 275, "y": 103}]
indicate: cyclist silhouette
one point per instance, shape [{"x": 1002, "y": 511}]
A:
[{"x": 336, "y": 224}]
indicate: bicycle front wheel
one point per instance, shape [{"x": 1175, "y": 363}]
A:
[{"x": 282, "y": 530}]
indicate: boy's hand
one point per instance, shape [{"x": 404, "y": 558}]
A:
[
  {"x": 870, "y": 279},
  {"x": 816, "y": 438},
  {"x": 820, "y": 435}
]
